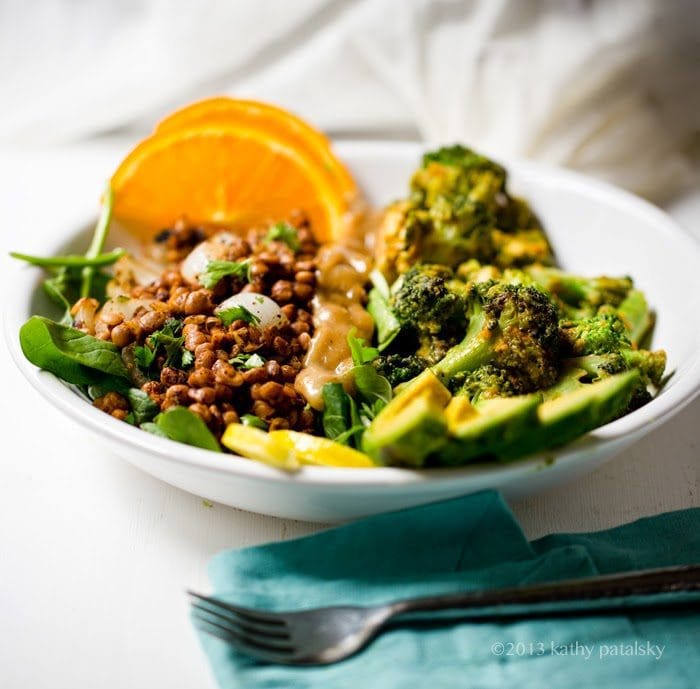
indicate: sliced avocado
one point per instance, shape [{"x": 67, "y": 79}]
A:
[
  {"x": 412, "y": 425},
  {"x": 488, "y": 428},
  {"x": 564, "y": 418},
  {"x": 636, "y": 315}
]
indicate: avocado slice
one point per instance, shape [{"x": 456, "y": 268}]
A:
[
  {"x": 412, "y": 425},
  {"x": 566, "y": 417},
  {"x": 486, "y": 429}
]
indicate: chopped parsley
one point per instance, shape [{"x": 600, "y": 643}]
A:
[
  {"x": 284, "y": 232},
  {"x": 237, "y": 313},
  {"x": 215, "y": 271}
]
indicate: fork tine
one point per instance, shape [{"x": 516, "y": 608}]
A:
[
  {"x": 251, "y": 651},
  {"x": 271, "y": 631},
  {"x": 252, "y": 615},
  {"x": 252, "y": 646}
]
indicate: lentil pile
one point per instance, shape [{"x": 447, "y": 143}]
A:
[{"x": 221, "y": 371}]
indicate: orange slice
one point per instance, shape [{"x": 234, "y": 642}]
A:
[
  {"x": 232, "y": 169},
  {"x": 222, "y": 111}
]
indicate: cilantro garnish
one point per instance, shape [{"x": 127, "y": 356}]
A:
[
  {"x": 168, "y": 341},
  {"x": 248, "y": 361},
  {"x": 284, "y": 232},
  {"x": 237, "y": 313},
  {"x": 215, "y": 271}
]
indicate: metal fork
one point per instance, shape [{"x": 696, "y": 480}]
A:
[{"x": 326, "y": 635}]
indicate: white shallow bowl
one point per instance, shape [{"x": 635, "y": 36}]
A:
[{"x": 594, "y": 228}]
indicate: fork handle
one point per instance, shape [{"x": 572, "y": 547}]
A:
[{"x": 651, "y": 588}]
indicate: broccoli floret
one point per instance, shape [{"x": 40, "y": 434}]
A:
[
  {"x": 580, "y": 297},
  {"x": 650, "y": 364},
  {"x": 595, "y": 335},
  {"x": 399, "y": 368},
  {"x": 512, "y": 327},
  {"x": 458, "y": 210},
  {"x": 600, "y": 347},
  {"x": 422, "y": 299},
  {"x": 487, "y": 382},
  {"x": 459, "y": 173},
  {"x": 428, "y": 310}
]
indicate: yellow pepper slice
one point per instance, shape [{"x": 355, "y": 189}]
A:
[
  {"x": 311, "y": 449},
  {"x": 255, "y": 443}
]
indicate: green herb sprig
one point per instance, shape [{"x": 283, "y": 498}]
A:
[{"x": 215, "y": 271}]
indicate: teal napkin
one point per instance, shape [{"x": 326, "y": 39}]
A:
[{"x": 466, "y": 543}]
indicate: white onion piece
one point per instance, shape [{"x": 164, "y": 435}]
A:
[
  {"x": 262, "y": 307},
  {"x": 126, "y": 306},
  {"x": 212, "y": 249}
]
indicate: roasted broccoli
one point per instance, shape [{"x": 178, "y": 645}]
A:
[
  {"x": 512, "y": 327},
  {"x": 399, "y": 368},
  {"x": 600, "y": 347},
  {"x": 459, "y": 209},
  {"x": 580, "y": 297},
  {"x": 595, "y": 335},
  {"x": 430, "y": 312},
  {"x": 487, "y": 382}
]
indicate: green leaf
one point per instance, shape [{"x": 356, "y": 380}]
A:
[
  {"x": 142, "y": 406},
  {"x": 373, "y": 389},
  {"x": 215, "y": 271},
  {"x": 388, "y": 326},
  {"x": 98, "y": 239},
  {"x": 168, "y": 341},
  {"x": 184, "y": 426},
  {"x": 248, "y": 361},
  {"x": 361, "y": 354},
  {"x": 150, "y": 427},
  {"x": 70, "y": 354},
  {"x": 336, "y": 410},
  {"x": 237, "y": 313},
  {"x": 255, "y": 421},
  {"x": 63, "y": 290},
  {"x": 144, "y": 356},
  {"x": 71, "y": 260},
  {"x": 284, "y": 232}
]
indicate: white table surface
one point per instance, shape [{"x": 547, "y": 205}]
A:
[{"x": 95, "y": 556}]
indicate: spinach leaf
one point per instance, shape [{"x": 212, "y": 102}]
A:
[
  {"x": 336, "y": 410},
  {"x": 70, "y": 354},
  {"x": 237, "y": 313},
  {"x": 179, "y": 423},
  {"x": 75, "y": 276},
  {"x": 143, "y": 407},
  {"x": 361, "y": 354},
  {"x": 215, "y": 271},
  {"x": 150, "y": 427},
  {"x": 284, "y": 232},
  {"x": 341, "y": 421},
  {"x": 373, "y": 389},
  {"x": 378, "y": 306}
]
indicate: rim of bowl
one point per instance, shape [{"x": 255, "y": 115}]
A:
[{"x": 636, "y": 424}]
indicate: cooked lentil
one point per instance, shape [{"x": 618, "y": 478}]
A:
[{"x": 211, "y": 386}]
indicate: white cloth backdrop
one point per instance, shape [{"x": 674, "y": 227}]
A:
[{"x": 610, "y": 87}]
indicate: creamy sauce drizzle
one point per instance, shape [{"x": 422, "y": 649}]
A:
[{"x": 343, "y": 269}]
